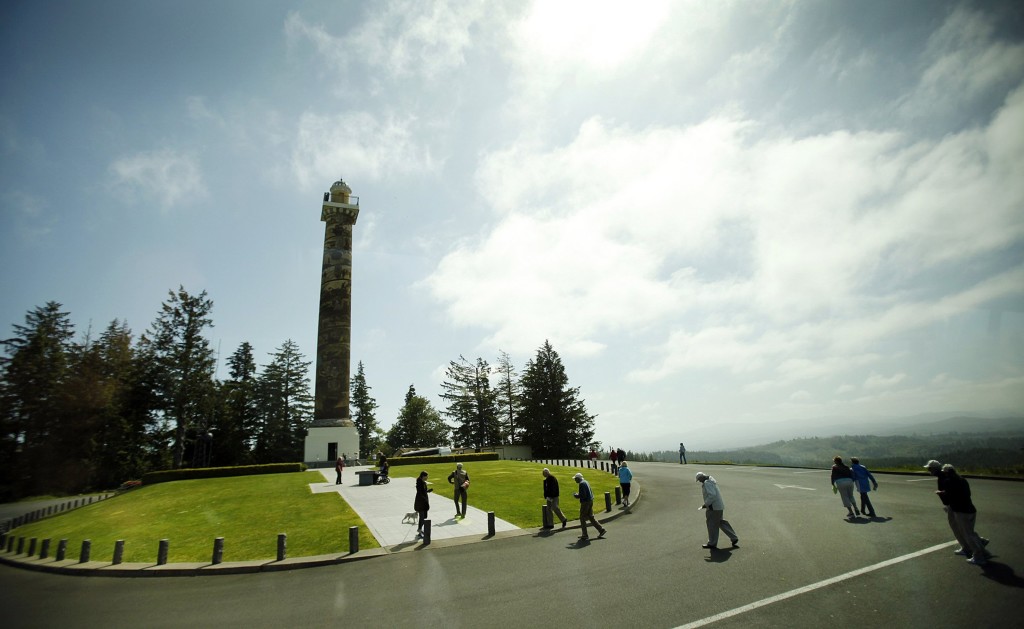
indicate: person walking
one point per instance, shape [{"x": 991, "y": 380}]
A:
[
  {"x": 586, "y": 498},
  {"x": 958, "y": 492},
  {"x": 682, "y": 454},
  {"x": 551, "y": 497},
  {"x": 715, "y": 512},
  {"x": 339, "y": 467},
  {"x": 935, "y": 469},
  {"x": 422, "y": 503},
  {"x": 842, "y": 483},
  {"x": 460, "y": 478},
  {"x": 625, "y": 480},
  {"x": 864, "y": 479},
  {"x": 613, "y": 456}
]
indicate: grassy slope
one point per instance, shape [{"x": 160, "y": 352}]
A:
[
  {"x": 250, "y": 511},
  {"x": 247, "y": 511},
  {"x": 513, "y": 490}
]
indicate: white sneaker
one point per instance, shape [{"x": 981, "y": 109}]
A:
[
  {"x": 960, "y": 551},
  {"x": 977, "y": 561}
]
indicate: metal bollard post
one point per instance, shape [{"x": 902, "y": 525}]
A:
[
  {"x": 161, "y": 554},
  {"x": 618, "y": 495},
  {"x": 490, "y": 523},
  {"x": 21, "y": 545},
  {"x": 86, "y": 551},
  {"x": 218, "y": 550},
  {"x": 282, "y": 546},
  {"x": 353, "y": 540},
  {"x": 607, "y": 501},
  {"x": 118, "y": 552},
  {"x": 62, "y": 549},
  {"x": 32, "y": 547},
  {"x": 545, "y": 517},
  {"x": 426, "y": 532},
  {"x": 44, "y": 552}
]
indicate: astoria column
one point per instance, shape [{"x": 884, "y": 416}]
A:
[{"x": 334, "y": 335}]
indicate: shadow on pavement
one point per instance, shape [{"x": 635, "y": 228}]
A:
[
  {"x": 720, "y": 555},
  {"x": 1002, "y": 574}
]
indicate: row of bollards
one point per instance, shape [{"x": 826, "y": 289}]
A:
[
  {"x": 45, "y": 512},
  {"x": 16, "y": 545},
  {"x": 603, "y": 466}
]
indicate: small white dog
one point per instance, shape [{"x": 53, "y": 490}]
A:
[{"x": 410, "y": 517}]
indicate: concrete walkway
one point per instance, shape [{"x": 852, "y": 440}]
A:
[{"x": 384, "y": 509}]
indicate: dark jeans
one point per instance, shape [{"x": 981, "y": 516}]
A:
[
  {"x": 460, "y": 494},
  {"x": 865, "y": 504}
]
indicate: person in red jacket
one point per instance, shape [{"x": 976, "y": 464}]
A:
[{"x": 339, "y": 466}]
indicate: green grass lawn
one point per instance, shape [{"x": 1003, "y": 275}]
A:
[
  {"x": 250, "y": 511},
  {"x": 513, "y": 490},
  {"x": 247, "y": 511}
]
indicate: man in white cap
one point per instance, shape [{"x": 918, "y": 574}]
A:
[
  {"x": 715, "y": 510},
  {"x": 586, "y": 498}
]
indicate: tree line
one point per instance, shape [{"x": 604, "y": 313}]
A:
[{"x": 90, "y": 413}]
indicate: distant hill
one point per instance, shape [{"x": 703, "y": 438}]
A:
[{"x": 970, "y": 443}]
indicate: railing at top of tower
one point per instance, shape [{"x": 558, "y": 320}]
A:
[{"x": 352, "y": 200}]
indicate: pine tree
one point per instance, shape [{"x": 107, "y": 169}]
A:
[
  {"x": 508, "y": 399},
  {"x": 554, "y": 419},
  {"x": 418, "y": 424},
  {"x": 467, "y": 389},
  {"x": 362, "y": 406},
  {"x": 34, "y": 371},
  {"x": 286, "y": 406},
  {"x": 184, "y": 365},
  {"x": 235, "y": 434}
]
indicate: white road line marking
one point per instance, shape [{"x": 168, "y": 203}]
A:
[
  {"x": 918, "y": 480},
  {"x": 794, "y": 487},
  {"x": 811, "y": 587},
  {"x": 811, "y": 472}
]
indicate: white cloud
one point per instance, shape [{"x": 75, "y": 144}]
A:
[
  {"x": 367, "y": 146},
  {"x": 878, "y": 381},
  {"x": 964, "y": 63},
  {"x": 403, "y": 39},
  {"x": 816, "y": 247},
  {"x": 165, "y": 178}
]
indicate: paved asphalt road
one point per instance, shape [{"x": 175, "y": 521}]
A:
[{"x": 649, "y": 572}]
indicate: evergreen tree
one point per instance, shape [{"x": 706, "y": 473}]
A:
[
  {"x": 508, "y": 399},
  {"x": 184, "y": 365},
  {"x": 467, "y": 390},
  {"x": 35, "y": 369},
  {"x": 235, "y": 434},
  {"x": 418, "y": 424},
  {"x": 100, "y": 447},
  {"x": 286, "y": 406},
  {"x": 362, "y": 406},
  {"x": 554, "y": 419}
]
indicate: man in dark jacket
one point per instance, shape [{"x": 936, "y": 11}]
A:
[
  {"x": 551, "y": 497},
  {"x": 958, "y": 495},
  {"x": 935, "y": 469}
]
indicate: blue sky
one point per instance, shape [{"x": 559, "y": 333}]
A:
[{"x": 717, "y": 212}]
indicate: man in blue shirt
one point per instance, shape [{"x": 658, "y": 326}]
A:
[{"x": 586, "y": 498}]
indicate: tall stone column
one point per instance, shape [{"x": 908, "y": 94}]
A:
[
  {"x": 332, "y": 433},
  {"x": 334, "y": 337}
]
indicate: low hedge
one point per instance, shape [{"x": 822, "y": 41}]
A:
[
  {"x": 444, "y": 458},
  {"x": 164, "y": 476}
]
